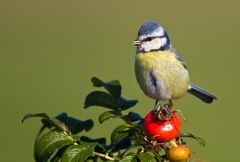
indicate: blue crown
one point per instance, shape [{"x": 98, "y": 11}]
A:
[{"x": 148, "y": 28}]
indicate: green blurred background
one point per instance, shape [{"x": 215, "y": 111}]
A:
[{"x": 49, "y": 50}]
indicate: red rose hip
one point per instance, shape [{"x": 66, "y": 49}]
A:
[{"x": 162, "y": 130}]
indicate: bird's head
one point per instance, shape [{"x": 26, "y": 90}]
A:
[{"x": 152, "y": 37}]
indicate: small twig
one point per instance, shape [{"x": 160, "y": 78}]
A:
[
  {"x": 199, "y": 139},
  {"x": 180, "y": 112},
  {"x": 106, "y": 156}
]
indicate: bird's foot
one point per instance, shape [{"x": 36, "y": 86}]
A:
[
  {"x": 157, "y": 104},
  {"x": 163, "y": 112}
]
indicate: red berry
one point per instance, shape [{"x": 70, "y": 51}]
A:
[{"x": 162, "y": 130}]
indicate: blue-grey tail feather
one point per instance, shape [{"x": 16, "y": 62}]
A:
[{"x": 201, "y": 94}]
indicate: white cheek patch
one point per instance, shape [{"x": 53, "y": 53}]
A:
[
  {"x": 146, "y": 46},
  {"x": 161, "y": 41},
  {"x": 154, "y": 44}
]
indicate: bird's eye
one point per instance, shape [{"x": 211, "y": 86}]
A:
[{"x": 148, "y": 39}]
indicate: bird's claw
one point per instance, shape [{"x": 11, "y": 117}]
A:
[{"x": 163, "y": 112}]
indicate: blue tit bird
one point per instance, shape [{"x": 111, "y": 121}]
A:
[{"x": 160, "y": 71}]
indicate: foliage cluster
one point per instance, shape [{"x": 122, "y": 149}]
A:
[{"x": 60, "y": 139}]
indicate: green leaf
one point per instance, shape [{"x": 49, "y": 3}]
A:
[
  {"x": 109, "y": 115},
  {"x": 75, "y": 125},
  {"x": 50, "y": 142},
  {"x": 145, "y": 156},
  {"x": 99, "y": 98},
  {"x": 113, "y": 87},
  {"x": 58, "y": 155},
  {"x": 113, "y": 100},
  {"x": 133, "y": 150},
  {"x": 121, "y": 137},
  {"x": 190, "y": 135},
  {"x": 49, "y": 120},
  {"x": 132, "y": 117},
  {"x": 158, "y": 155},
  {"x": 162, "y": 152},
  {"x": 119, "y": 132},
  {"x": 89, "y": 145},
  {"x": 125, "y": 104},
  {"x": 77, "y": 153},
  {"x": 90, "y": 140},
  {"x": 101, "y": 143},
  {"x": 129, "y": 158},
  {"x": 121, "y": 144}
]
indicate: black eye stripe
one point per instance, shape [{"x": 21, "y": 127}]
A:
[
  {"x": 151, "y": 38},
  {"x": 148, "y": 39}
]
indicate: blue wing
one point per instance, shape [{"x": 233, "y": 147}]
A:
[
  {"x": 195, "y": 90},
  {"x": 180, "y": 59}
]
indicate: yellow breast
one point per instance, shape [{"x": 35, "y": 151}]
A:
[{"x": 161, "y": 75}]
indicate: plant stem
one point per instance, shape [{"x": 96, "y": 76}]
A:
[{"x": 103, "y": 156}]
